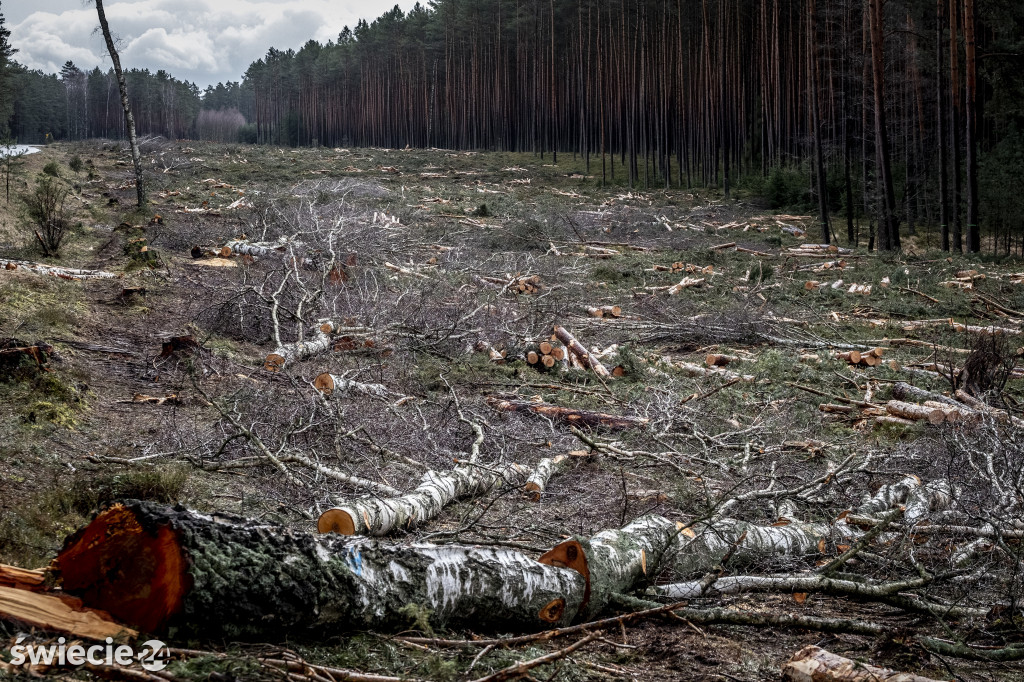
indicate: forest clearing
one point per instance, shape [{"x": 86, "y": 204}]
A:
[{"x": 669, "y": 414}]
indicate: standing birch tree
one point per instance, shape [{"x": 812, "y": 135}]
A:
[{"x": 129, "y": 119}]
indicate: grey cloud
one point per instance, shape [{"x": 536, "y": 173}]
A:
[{"x": 203, "y": 41}]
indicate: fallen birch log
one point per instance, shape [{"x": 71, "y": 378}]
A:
[
  {"x": 290, "y": 353},
  {"x": 55, "y": 270},
  {"x": 569, "y": 415},
  {"x": 956, "y": 326},
  {"x": 814, "y": 664},
  {"x": 436, "y": 490},
  {"x": 322, "y": 340},
  {"x": 538, "y": 480},
  {"x": 577, "y": 348},
  {"x": 604, "y": 311},
  {"x": 330, "y": 384},
  {"x": 692, "y": 370},
  {"x": 246, "y": 248},
  {"x": 159, "y": 568},
  {"x": 404, "y": 271},
  {"x": 685, "y": 283},
  {"x": 615, "y": 561}
]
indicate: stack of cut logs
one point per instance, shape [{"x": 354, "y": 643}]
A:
[
  {"x": 871, "y": 358},
  {"x": 964, "y": 279},
  {"x": 604, "y": 311},
  {"x": 546, "y": 355},
  {"x": 934, "y": 408}
]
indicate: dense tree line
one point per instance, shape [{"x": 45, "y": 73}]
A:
[
  {"x": 75, "y": 105},
  {"x": 894, "y": 114},
  {"x": 851, "y": 101}
]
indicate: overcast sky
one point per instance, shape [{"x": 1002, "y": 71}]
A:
[{"x": 202, "y": 41}]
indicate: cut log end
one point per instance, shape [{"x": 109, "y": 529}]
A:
[
  {"x": 570, "y": 554},
  {"x": 324, "y": 383},
  {"x": 274, "y": 362},
  {"x": 138, "y": 574},
  {"x": 553, "y": 611},
  {"x": 336, "y": 521}
]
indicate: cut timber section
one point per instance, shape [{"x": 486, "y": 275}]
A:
[
  {"x": 869, "y": 358},
  {"x": 577, "y": 349},
  {"x": 569, "y": 415},
  {"x": 327, "y": 336},
  {"x": 814, "y": 664},
  {"x": 55, "y": 271},
  {"x": 538, "y": 480},
  {"x": 22, "y": 578},
  {"x": 331, "y": 384},
  {"x": 278, "y": 249},
  {"x": 158, "y": 568},
  {"x": 59, "y": 613},
  {"x": 435, "y": 491}
]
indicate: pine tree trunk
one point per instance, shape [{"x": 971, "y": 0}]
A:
[
  {"x": 889, "y": 231},
  {"x": 971, "y": 129}
]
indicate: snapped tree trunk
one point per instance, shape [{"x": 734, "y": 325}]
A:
[{"x": 129, "y": 119}]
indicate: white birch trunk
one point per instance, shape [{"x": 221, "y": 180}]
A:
[{"x": 435, "y": 491}]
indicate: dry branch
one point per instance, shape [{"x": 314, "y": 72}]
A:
[{"x": 569, "y": 415}]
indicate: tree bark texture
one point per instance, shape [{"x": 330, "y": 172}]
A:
[
  {"x": 814, "y": 664},
  {"x": 165, "y": 569},
  {"x": 436, "y": 490}
]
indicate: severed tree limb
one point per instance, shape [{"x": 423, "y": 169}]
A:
[
  {"x": 723, "y": 616},
  {"x": 356, "y": 481},
  {"x": 538, "y": 480},
  {"x": 569, "y": 415},
  {"x": 55, "y": 270},
  {"x": 1014, "y": 652},
  {"x": 581, "y": 352},
  {"x": 435, "y": 491},
  {"x": 785, "y": 584},
  {"x": 520, "y": 669},
  {"x": 814, "y": 664}
]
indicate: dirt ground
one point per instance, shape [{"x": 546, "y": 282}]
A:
[{"x": 416, "y": 230}]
